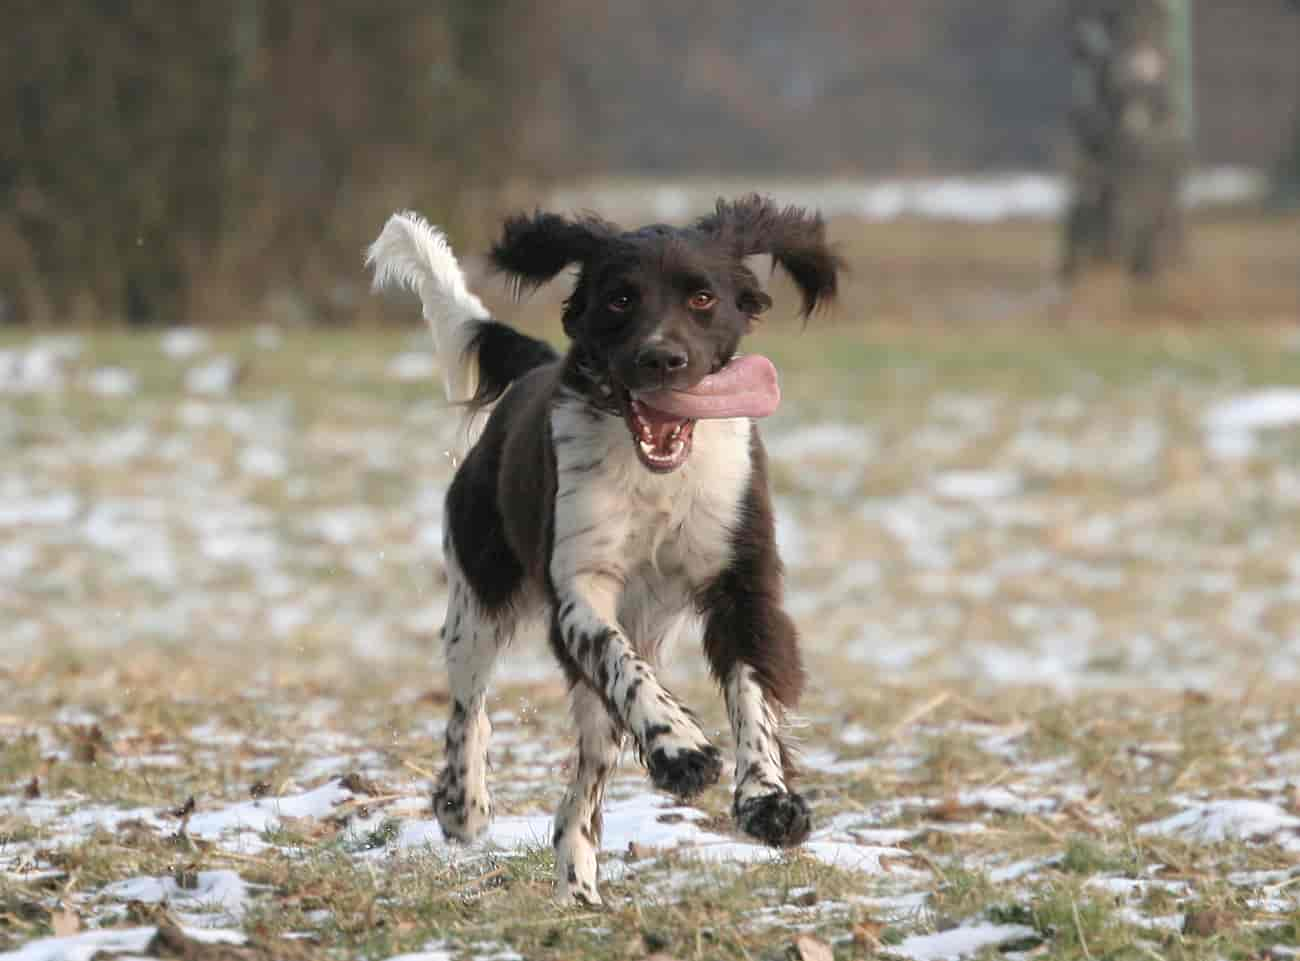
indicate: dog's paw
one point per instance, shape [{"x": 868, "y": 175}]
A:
[
  {"x": 573, "y": 889},
  {"x": 686, "y": 771},
  {"x": 461, "y": 819},
  {"x": 781, "y": 819}
]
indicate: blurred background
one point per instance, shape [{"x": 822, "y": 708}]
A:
[{"x": 176, "y": 162}]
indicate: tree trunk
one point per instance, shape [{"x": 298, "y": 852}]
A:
[{"x": 1131, "y": 123}]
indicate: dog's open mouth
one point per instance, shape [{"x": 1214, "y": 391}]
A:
[
  {"x": 662, "y": 422},
  {"x": 663, "y": 442}
]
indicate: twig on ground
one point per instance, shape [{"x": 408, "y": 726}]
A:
[
  {"x": 412, "y": 766},
  {"x": 914, "y": 715}
]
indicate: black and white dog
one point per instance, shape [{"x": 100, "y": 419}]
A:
[{"x": 619, "y": 492}]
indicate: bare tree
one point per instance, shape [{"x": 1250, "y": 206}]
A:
[{"x": 1131, "y": 120}]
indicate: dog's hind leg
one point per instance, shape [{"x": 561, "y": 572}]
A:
[
  {"x": 472, "y": 639},
  {"x": 578, "y": 821}
]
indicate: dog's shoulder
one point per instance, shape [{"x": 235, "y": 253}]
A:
[{"x": 526, "y": 475}]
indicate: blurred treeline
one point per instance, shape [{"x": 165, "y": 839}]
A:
[
  {"x": 164, "y": 160},
  {"x": 170, "y": 159}
]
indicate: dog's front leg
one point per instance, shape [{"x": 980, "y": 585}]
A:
[
  {"x": 679, "y": 757},
  {"x": 753, "y": 648}
]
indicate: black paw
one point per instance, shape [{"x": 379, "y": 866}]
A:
[
  {"x": 686, "y": 773},
  {"x": 781, "y": 819}
]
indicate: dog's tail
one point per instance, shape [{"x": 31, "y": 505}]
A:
[{"x": 479, "y": 357}]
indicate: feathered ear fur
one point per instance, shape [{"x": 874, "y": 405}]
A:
[
  {"x": 795, "y": 238},
  {"x": 534, "y": 248}
]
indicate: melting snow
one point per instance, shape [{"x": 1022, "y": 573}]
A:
[
  {"x": 83, "y": 947},
  {"x": 216, "y": 377},
  {"x": 112, "y": 382},
  {"x": 415, "y": 365},
  {"x": 960, "y": 942},
  {"x": 181, "y": 342},
  {"x": 975, "y": 485},
  {"x": 1231, "y": 425},
  {"x": 224, "y": 890},
  {"x": 1236, "y": 820},
  {"x": 646, "y": 821}
]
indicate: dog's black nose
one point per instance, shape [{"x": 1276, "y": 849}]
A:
[{"x": 661, "y": 360}]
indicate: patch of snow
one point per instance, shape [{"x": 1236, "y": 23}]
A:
[
  {"x": 1003, "y": 801},
  {"x": 433, "y": 953},
  {"x": 1234, "y": 820},
  {"x": 50, "y": 509},
  {"x": 413, "y": 365},
  {"x": 37, "y": 369},
  {"x": 112, "y": 382},
  {"x": 222, "y": 889},
  {"x": 216, "y": 377},
  {"x": 89, "y": 944},
  {"x": 254, "y": 817},
  {"x": 84, "y": 946},
  {"x": 1019, "y": 869},
  {"x": 262, "y": 462},
  {"x": 645, "y": 820},
  {"x": 182, "y": 342},
  {"x": 1231, "y": 425},
  {"x": 972, "y": 485},
  {"x": 976, "y": 198},
  {"x": 960, "y": 942}
]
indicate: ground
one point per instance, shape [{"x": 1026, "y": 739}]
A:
[{"x": 1047, "y": 569}]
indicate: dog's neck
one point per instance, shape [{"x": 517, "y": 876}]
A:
[{"x": 588, "y": 378}]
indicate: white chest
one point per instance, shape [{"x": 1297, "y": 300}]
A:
[{"x": 611, "y": 511}]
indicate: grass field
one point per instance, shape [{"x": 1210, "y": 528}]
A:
[{"x": 1045, "y": 556}]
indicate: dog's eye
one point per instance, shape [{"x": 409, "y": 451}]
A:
[
  {"x": 701, "y": 300},
  {"x": 621, "y": 303}
]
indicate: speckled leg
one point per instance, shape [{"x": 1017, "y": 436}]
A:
[
  {"x": 472, "y": 640},
  {"x": 578, "y": 820},
  {"x": 764, "y": 807}
]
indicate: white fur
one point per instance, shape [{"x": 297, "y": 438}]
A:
[
  {"x": 413, "y": 254},
  {"x": 754, "y": 726}
]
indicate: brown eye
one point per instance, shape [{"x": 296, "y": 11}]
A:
[
  {"x": 701, "y": 300},
  {"x": 620, "y": 303}
]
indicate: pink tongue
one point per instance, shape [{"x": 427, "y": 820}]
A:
[{"x": 746, "y": 387}]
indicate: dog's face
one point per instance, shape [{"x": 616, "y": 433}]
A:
[{"x": 662, "y": 308}]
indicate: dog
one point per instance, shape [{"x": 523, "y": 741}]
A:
[{"x": 619, "y": 491}]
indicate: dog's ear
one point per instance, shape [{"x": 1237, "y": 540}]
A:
[
  {"x": 535, "y": 247},
  {"x": 795, "y": 238}
]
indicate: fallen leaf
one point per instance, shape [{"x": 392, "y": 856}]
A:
[
  {"x": 65, "y": 922},
  {"x": 359, "y": 784},
  {"x": 866, "y": 933},
  {"x": 1203, "y": 922},
  {"x": 952, "y": 810},
  {"x": 808, "y": 948}
]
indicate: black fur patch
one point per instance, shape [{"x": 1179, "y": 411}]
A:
[
  {"x": 687, "y": 773},
  {"x": 781, "y": 819},
  {"x": 504, "y": 355}
]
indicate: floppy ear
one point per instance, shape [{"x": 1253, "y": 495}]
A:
[
  {"x": 534, "y": 248},
  {"x": 795, "y": 238}
]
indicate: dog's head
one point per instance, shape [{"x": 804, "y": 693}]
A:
[{"x": 658, "y": 313}]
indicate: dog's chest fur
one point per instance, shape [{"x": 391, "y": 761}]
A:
[{"x": 667, "y": 535}]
